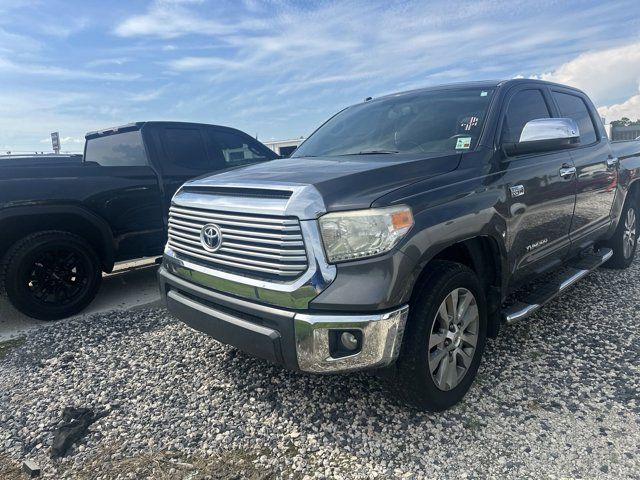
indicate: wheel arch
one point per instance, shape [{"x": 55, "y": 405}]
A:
[
  {"x": 485, "y": 256},
  {"x": 18, "y": 222}
]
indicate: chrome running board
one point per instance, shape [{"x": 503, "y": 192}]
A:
[{"x": 535, "y": 301}]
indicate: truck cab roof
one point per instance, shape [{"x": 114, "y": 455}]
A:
[{"x": 139, "y": 125}]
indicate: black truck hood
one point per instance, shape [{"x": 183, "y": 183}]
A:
[{"x": 344, "y": 182}]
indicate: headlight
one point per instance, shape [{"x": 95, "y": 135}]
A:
[{"x": 363, "y": 233}]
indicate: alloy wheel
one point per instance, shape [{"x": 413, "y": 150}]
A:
[
  {"x": 453, "y": 338},
  {"x": 629, "y": 233},
  {"x": 57, "y": 277}
]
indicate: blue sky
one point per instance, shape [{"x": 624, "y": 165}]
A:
[{"x": 277, "y": 69}]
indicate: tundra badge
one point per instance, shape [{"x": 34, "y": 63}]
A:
[{"x": 517, "y": 191}]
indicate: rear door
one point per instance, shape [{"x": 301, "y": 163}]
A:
[
  {"x": 126, "y": 192},
  {"x": 540, "y": 200},
  {"x": 596, "y": 174}
]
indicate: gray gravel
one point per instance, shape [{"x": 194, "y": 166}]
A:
[{"x": 557, "y": 397}]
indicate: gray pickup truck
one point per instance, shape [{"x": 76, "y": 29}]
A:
[{"x": 395, "y": 233}]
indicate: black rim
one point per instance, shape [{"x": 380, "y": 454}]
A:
[{"x": 57, "y": 276}]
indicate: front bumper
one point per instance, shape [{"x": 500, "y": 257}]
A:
[{"x": 298, "y": 341}]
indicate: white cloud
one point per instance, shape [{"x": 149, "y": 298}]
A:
[
  {"x": 71, "y": 27},
  {"x": 101, "y": 62},
  {"x": 630, "y": 108},
  {"x": 170, "y": 19},
  {"x": 65, "y": 141},
  {"x": 412, "y": 43},
  {"x": 611, "y": 77},
  {"x": 149, "y": 95},
  {"x": 12, "y": 42},
  {"x": 203, "y": 63},
  {"x": 605, "y": 75},
  {"x": 36, "y": 69}
]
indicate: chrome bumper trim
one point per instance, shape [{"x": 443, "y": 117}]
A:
[{"x": 382, "y": 338}]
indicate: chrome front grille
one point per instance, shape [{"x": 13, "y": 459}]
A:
[{"x": 255, "y": 245}]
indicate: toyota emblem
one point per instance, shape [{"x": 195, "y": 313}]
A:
[{"x": 211, "y": 237}]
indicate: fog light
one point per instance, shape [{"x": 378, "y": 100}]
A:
[{"x": 349, "y": 341}]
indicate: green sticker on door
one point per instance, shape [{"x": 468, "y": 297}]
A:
[{"x": 463, "y": 143}]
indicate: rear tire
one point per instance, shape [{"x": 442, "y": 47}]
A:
[
  {"x": 625, "y": 239},
  {"x": 51, "y": 275},
  {"x": 439, "y": 360}
]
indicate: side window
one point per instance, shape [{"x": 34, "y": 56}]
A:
[
  {"x": 572, "y": 106},
  {"x": 240, "y": 149},
  {"x": 524, "y": 106},
  {"x": 124, "y": 149},
  {"x": 185, "y": 148}
]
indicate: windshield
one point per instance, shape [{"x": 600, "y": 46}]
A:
[{"x": 425, "y": 122}]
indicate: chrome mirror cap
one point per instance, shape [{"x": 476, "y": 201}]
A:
[{"x": 550, "y": 129}]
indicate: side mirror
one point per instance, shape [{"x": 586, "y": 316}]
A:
[{"x": 545, "y": 135}]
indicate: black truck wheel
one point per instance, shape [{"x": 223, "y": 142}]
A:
[
  {"x": 444, "y": 339},
  {"x": 625, "y": 239},
  {"x": 51, "y": 275}
]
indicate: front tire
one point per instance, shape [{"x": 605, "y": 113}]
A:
[
  {"x": 625, "y": 239},
  {"x": 51, "y": 275},
  {"x": 445, "y": 337}
]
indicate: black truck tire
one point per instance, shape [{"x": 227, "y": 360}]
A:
[
  {"x": 428, "y": 342},
  {"x": 625, "y": 239},
  {"x": 51, "y": 275}
]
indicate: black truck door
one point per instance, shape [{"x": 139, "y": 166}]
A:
[
  {"x": 596, "y": 171},
  {"x": 180, "y": 152},
  {"x": 540, "y": 190},
  {"x": 125, "y": 191}
]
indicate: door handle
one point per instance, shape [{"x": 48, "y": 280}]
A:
[
  {"x": 566, "y": 172},
  {"x": 612, "y": 162}
]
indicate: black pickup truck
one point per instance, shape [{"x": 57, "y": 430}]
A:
[
  {"x": 64, "y": 221},
  {"x": 394, "y": 235}
]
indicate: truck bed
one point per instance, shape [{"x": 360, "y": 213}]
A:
[{"x": 39, "y": 160}]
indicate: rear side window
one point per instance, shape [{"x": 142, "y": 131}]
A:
[
  {"x": 185, "y": 148},
  {"x": 124, "y": 149},
  {"x": 237, "y": 149},
  {"x": 525, "y": 106},
  {"x": 571, "y": 106}
]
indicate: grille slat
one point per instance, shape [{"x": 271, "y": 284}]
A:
[
  {"x": 233, "y": 258},
  {"x": 235, "y": 223},
  {"x": 254, "y": 245},
  {"x": 211, "y": 216},
  {"x": 295, "y": 235},
  {"x": 244, "y": 238}
]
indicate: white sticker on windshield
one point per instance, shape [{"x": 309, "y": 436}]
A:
[
  {"x": 483, "y": 94},
  {"x": 463, "y": 143}
]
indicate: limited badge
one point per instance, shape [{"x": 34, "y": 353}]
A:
[{"x": 463, "y": 143}]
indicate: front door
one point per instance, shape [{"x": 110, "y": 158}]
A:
[{"x": 540, "y": 190}]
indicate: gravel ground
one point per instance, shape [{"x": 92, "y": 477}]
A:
[{"x": 557, "y": 397}]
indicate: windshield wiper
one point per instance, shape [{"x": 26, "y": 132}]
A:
[{"x": 372, "y": 152}]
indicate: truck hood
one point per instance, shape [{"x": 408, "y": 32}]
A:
[{"x": 344, "y": 182}]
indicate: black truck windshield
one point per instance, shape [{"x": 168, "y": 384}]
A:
[{"x": 422, "y": 122}]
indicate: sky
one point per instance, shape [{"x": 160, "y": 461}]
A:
[{"x": 278, "y": 69}]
